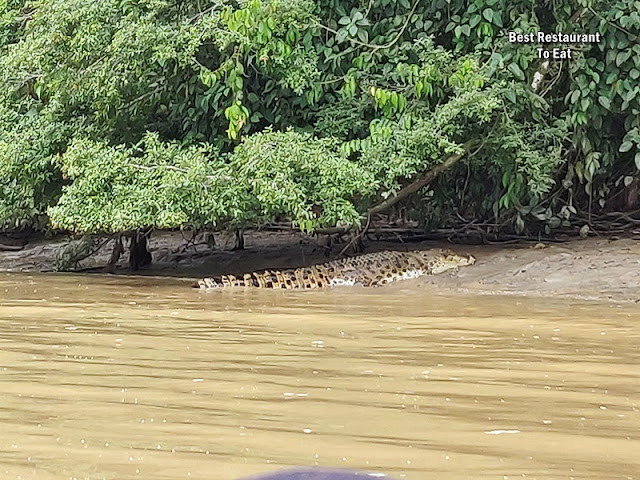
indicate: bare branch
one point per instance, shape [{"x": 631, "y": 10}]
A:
[{"x": 424, "y": 179}]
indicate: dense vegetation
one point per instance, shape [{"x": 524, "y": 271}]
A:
[{"x": 121, "y": 115}]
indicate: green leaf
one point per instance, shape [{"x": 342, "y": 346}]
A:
[
  {"x": 487, "y": 13},
  {"x": 625, "y": 147},
  {"x": 637, "y": 160},
  {"x": 510, "y": 95},
  {"x": 631, "y": 94},
  {"x": 575, "y": 96},
  {"x": 622, "y": 57},
  {"x": 554, "y": 222},
  {"x": 394, "y": 100},
  {"x": 605, "y": 102},
  {"x": 497, "y": 19},
  {"x": 585, "y": 103},
  {"x": 208, "y": 78},
  {"x": 419, "y": 86},
  {"x": 516, "y": 71}
]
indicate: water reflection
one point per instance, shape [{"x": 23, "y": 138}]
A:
[{"x": 146, "y": 378}]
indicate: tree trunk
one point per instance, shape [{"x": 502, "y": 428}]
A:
[
  {"x": 631, "y": 196},
  {"x": 118, "y": 250},
  {"x": 139, "y": 256},
  {"x": 239, "y": 240}
]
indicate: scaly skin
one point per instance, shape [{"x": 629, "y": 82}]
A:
[{"x": 368, "y": 270}]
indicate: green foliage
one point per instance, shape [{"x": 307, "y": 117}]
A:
[
  {"x": 250, "y": 58},
  {"x": 28, "y": 143},
  {"x": 13, "y": 14},
  {"x": 604, "y": 100},
  {"x": 595, "y": 94},
  {"x": 158, "y": 184},
  {"x": 165, "y": 185},
  {"x": 430, "y": 103},
  {"x": 307, "y": 179},
  {"x": 121, "y": 114}
]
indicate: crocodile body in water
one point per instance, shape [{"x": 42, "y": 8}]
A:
[{"x": 368, "y": 270}]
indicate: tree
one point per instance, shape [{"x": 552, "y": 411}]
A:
[{"x": 122, "y": 115}]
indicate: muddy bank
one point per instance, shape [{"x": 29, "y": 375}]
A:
[{"x": 596, "y": 268}]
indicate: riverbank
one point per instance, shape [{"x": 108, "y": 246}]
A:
[{"x": 594, "y": 268}]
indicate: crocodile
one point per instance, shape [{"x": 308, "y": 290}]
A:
[{"x": 371, "y": 269}]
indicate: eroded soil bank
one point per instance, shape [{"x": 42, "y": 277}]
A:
[{"x": 595, "y": 268}]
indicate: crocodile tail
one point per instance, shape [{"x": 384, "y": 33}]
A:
[
  {"x": 266, "y": 279},
  {"x": 221, "y": 282},
  {"x": 208, "y": 282},
  {"x": 276, "y": 279},
  {"x": 298, "y": 278}
]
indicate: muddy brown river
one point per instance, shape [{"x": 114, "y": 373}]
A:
[{"x": 145, "y": 378}]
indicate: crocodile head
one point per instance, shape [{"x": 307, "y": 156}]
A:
[{"x": 443, "y": 260}]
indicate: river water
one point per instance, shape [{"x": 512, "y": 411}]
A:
[{"x": 143, "y": 378}]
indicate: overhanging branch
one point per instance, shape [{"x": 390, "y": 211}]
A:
[{"x": 424, "y": 179}]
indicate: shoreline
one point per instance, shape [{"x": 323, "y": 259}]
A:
[{"x": 598, "y": 269}]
